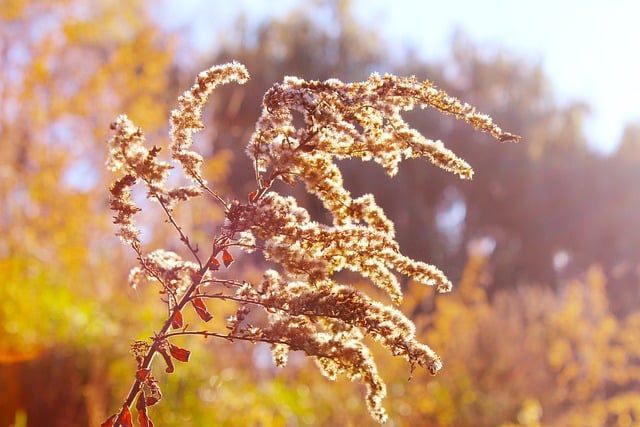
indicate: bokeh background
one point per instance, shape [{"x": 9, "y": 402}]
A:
[{"x": 542, "y": 327}]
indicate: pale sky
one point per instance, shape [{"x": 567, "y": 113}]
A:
[{"x": 588, "y": 48}]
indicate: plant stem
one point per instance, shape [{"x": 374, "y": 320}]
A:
[{"x": 146, "y": 362}]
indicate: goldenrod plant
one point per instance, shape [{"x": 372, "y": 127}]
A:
[{"x": 305, "y": 127}]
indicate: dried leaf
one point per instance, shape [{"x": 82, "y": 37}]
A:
[
  {"x": 201, "y": 309},
  {"x": 214, "y": 264},
  {"x": 307, "y": 148},
  {"x": 109, "y": 421},
  {"x": 508, "y": 137},
  {"x": 141, "y": 407},
  {"x": 167, "y": 360},
  {"x": 178, "y": 353},
  {"x": 177, "y": 321},
  {"x": 151, "y": 400},
  {"x": 140, "y": 402},
  {"x": 156, "y": 394},
  {"x": 142, "y": 374},
  {"x": 152, "y": 384},
  {"x": 227, "y": 258},
  {"x": 125, "y": 419}
]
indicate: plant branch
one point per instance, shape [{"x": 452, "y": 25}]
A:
[{"x": 146, "y": 363}]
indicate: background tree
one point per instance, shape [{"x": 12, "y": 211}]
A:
[
  {"x": 66, "y": 68},
  {"x": 540, "y": 210}
]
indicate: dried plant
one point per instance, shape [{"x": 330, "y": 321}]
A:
[{"x": 305, "y": 307}]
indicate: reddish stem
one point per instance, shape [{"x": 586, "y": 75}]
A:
[{"x": 146, "y": 362}]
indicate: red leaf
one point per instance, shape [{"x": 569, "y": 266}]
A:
[
  {"x": 253, "y": 195},
  {"x": 227, "y": 259},
  {"x": 167, "y": 359},
  {"x": 178, "y": 353},
  {"x": 214, "y": 264},
  {"x": 125, "y": 418},
  {"x": 109, "y": 422},
  {"x": 142, "y": 374},
  {"x": 201, "y": 309},
  {"x": 154, "y": 389},
  {"x": 151, "y": 400},
  {"x": 140, "y": 405},
  {"x": 177, "y": 321},
  {"x": 143, "y": 418}
]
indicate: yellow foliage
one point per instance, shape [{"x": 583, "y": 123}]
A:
[
  {"x": 526, "y": 357},
  {"x": 12, "y": 9},
  {"x": 59, "y": 263}
]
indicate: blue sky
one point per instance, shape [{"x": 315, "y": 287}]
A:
[{"x": 588, "y": 48}]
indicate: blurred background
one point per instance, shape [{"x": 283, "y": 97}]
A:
[{"x": 542, "y": 246}]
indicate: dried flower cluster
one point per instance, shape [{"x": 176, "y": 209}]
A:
[{"x": 306, "y": 308}]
